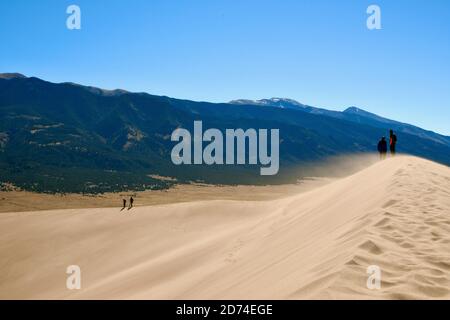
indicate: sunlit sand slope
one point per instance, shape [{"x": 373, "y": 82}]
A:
[{"x": 395, "y": 214}]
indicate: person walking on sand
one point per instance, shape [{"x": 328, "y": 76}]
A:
[
  {"x": 124, "y": 203},
  {"x": 392, "y": 142},
  {"x": 131, "y": 202},
  {"x": 382, "y": 148}
]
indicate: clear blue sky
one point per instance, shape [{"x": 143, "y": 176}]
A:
[{"x": 317, "y": 52}]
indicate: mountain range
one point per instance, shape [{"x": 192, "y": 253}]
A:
[
  {"x": 65, "y": 137},
  {"x": 353, "y": 114}
]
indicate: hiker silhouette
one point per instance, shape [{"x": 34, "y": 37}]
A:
[
  {"x": 131, "y": 203},
  {"x": 392, "y": 142},
  {"x": 382, "y": 148},
  {"x": 124, "y": 204}
]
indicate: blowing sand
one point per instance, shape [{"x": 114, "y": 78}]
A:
[{"x": 318, "y": 244}]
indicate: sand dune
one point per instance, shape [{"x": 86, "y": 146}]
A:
[{"x": 395, "y": 214}]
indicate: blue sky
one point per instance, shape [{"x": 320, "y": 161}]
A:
[{"x": 317, "y": 52}]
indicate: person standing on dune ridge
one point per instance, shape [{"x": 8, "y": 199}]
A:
[
  {"x": 392, "y": 142},
  {"x": 382, "y": 148}
]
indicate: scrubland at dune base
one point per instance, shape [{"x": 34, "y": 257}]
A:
[
  {"x": 23, "y": 201},
  {"x": 314, "y": 245}
]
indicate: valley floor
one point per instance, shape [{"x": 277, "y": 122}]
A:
[{"x": 22, "y": 201}]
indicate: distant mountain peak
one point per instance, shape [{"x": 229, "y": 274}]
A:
[
  {"x": 354, "y": 109},
  {"x": 357, "y": 112},
  {"x": 274, "y": 102},
  {"x": 264, "y": 101},
  {"x": 282, "y": 100},
  {"x": 8, "y": 76}
]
